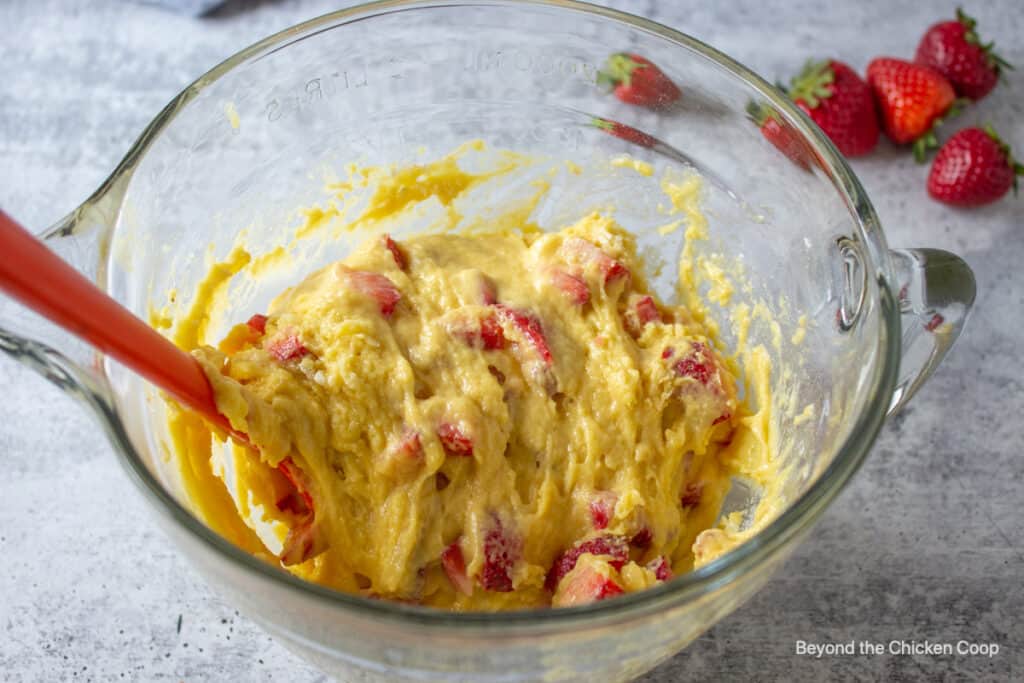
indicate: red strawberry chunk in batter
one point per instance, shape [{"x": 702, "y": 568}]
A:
[
  {"x": 287, "y": 348},
  {"x": 602, "y": 509},
  {"x": 579, "y": 250},
  {"x": 584, "y": 586},
  {"x": 574, "y": 288},
  {"x": 487, "y": 334},
  {"x": 688, "y": 367},
  {"x": 640, "y": 311},
  {"x": 454, "y": 440},
  {"x": 501, "y": 551},
  {"x": 528, "y": 326},
  {"x": 661, "y": 568},
  {"x": 258, "y": 323},
  {"x": 699, "y": 365},
  {"x": 491, "y": 334},
  {"x": 377, "y": 287},
  {"x": 647, "y": 310},
  {"x": 396, "y": 252},
  {"x": 454, "y": 565},
  {"x": 614, "y": 547}
]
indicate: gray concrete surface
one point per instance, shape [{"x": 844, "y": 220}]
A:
[{"x": 926, "y": 544}]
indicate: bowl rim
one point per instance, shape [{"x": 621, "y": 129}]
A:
[{"x": 754, "y": 552}]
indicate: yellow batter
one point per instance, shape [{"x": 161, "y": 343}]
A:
[{"x": 482, "y": 421}]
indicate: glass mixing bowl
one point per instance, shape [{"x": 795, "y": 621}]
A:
[{"x": 243, "y": 146}]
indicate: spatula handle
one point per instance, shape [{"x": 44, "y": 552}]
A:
[{"x": 39, "y": 279}]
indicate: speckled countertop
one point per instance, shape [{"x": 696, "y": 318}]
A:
[{"x": 926, "y": 544}]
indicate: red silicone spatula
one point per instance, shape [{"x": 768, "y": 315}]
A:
[{"x": 38, "y": 278}]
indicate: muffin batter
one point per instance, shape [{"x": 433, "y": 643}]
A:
[{"x": 480, "y": 421}]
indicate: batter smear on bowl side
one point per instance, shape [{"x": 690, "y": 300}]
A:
[{"x": 484, "y": 421}]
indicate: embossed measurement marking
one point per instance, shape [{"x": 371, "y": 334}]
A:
[
  {"x": 314, "y": 90},
  {"x": 513, "y": 60}
]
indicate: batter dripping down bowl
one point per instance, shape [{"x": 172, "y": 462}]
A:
[{"x": 851, "y": 327}]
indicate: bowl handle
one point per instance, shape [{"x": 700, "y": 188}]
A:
[
  {"x": 82, "y": 239},
  {"x": 935, "y": 290}
]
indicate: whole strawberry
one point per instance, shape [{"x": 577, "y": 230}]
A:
[
  {"x": 954, "y": 49},
  {"x": 836, "y": 98},
  {"x": 912, "y": 100},
  {"x": 624, "y": 132},
  {"x": 637, "y": 80},
  {"x": 780, "y": 134},
  {"x": 974, "y": 167}
]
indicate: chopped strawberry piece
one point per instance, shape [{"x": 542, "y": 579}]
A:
[
  {"x": 724, "y": 417},
  {"x": 640, "y": 311},
  {"x": 298, "y": 479},
  {"x": 602, "y": 509},
  {"x": 688, "y": 367},
  {"x": 574, "y": 288},
  {"x": 491, "y": 334},
  {"x": 501, "y": 551},
  {"x": 613, "y": 271},
  {"x": 661, "y": 568},
  {"x": 584, "y": 253},
  {"x": 696, "y": 366},
  {"x": 377, "y": 287},
  {"x": 455, "y": 568},
  {"x": 303, "y": 542},
  {"x": 258, "y": 323},
  {"x": 642, "y": 539},
  {"x": 667, "y": 353},
  {"x": 624, "y": 132},
  {"x": 614, "y": 547},
  {"x": 608, "y": 589},
  {"x": 585, "y": 586},
  {"x": 934, "y": 323},
  {"x": 647, "y": 310},
  {"x": 287, "y": 348},
  {"x": 396, "y": 252},
  {"x": 529, "y": 328},
  {"x": 454, "y": 440},
  {"x": 692, "y": 495}
]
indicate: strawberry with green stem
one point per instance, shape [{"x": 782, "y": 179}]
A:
[
  {"x": 954, "y": 49},
  {"x": 913, "y": 101},
  {"x": 780, "y": 134},
  {"x": 840, "y": 102},
  {"x": 637, "y": 80},
  {"x": 624, "y": 132},
  {"x": 974, "y": 167}
]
